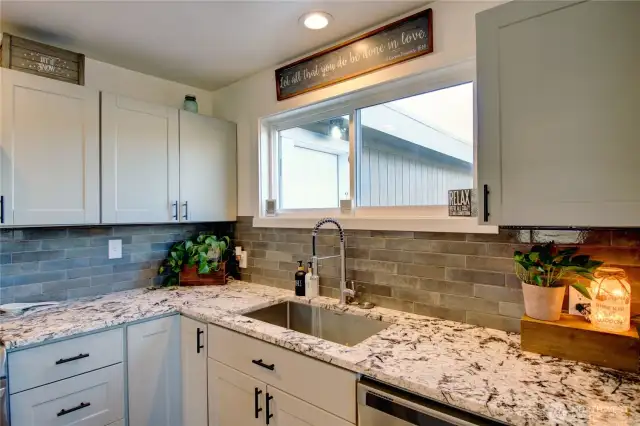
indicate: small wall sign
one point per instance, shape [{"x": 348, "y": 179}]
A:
[
  {"x": 399, "y": 41},
  {"x": 461, "y": 202}
]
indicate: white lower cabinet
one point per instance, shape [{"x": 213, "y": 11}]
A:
[
  {"x": 193, "y": 361},
  {"x": 234, "y": 398},
  {"x": 153, "y": 368},
  {"x": 291, "y": 411},
  {"x": 90, "y": 399}
]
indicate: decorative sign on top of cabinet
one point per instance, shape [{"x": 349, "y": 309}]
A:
[
  {"x": 49, "y": 152},
  {"x": 557, "y": 114}
]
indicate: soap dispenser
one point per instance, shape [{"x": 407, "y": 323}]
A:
[{"x": 300, "y": 275}]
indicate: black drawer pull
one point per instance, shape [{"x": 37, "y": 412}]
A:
[
  {"x": 71, "y": 410},
  {"x": 1, "y": 208},
  {"x": 263, "y": 365},
  {"x": 198, "y": 345},
  {"x": 256, "y": 395},
  {"x": 486, "y": 193},
  {"x": 269, "y": 415},
  {"x": 73, "y": 358}
]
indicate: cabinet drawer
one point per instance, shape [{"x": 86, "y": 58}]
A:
[
  {"x": 330, "y": 388},
  {"x": 45, "y": 364},
  {"x": 91, "y": 399}
]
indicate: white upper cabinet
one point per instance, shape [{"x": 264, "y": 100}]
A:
[
  {"x": 49, "y": 151},
  {"x": 558, "y": 102},
  {"x": 140, "y": 161},
  {"x": 207, "y": 169}
]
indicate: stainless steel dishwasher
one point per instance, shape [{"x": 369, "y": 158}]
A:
[{"x": 382, "y": 405}]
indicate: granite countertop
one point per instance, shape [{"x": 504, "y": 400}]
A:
[{"x": 474, "y": 368}]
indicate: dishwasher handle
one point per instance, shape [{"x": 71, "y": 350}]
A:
[{"x": 413, "y": 410}]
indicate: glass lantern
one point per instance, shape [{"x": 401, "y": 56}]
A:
[{"x": 610, "y": 300}]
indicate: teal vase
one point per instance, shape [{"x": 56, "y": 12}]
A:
[{"x": 190, "y": 104}]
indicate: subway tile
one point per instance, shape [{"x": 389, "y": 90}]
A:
[
  {"x": 285, "y": 266},
  {"x": 300, "y": 239},
  {"x": 512, "y": 281},
  {"x": 393, "y": 234},
  {"x": 614, "y": 255},
  {"x": 126, "y": 267},
  {"x": 57, "y": 265},
  {"x": 439, "y": 236},
  {"x": 79, "y": 273},
  {"x": 5, "y": 258},
  {"x": 55, "y": 286},
  {"x": 471, "y": 276},
  {"x": 65, "y": 243},
  {"x": 468, "y": 303},
  {"x": 263, "y": 245},
  {"x": 103, "y": 260},
  {"x": 326, "y": 240},
  {"x": 440, "y": 312},
  {"x": 258, "y": 254},
  {"x": 329, "y": 292},
  {"x": 394, "y": 280},
  {"x": 281, "y": 275},
  {"x": 391, "y": 303},
  {"x": 483, "y": 263},
  {"x": 26, "y": 290},
  {"x": 492, "y": 292},
  {"x": 104, "y": 241},
  {"x": 144, "y": 257},
  {"x": 131, "y": 230},
  {"x": 366, "y": 242},
  {"x": 38, "y": 277},
  {"x": 20, "y": 246},
  {"x": 391, "y": 256},
  {"x": 422, "y": 271},
  {"x": 44, "y": 233},
  {"x": 453, "y": 247},
  {"x": 279, "y": 256},
  {"x": 356, "y": 253},
  {"x": 251, "y": 236},
  {"x": 18, "y": 268},
  {"x": 264, "y": 263},
  {"x": 437, "y": 259},
  {"x": 145, "y": 247},
  {"x": 493, "y": 321},
  {"x": 515, "y": 310},
  {"x": 45, "y": 297},
  {"x": 447, "y": 287},
  {"x": 289, "y": 247},
  {"x": 363, "y": 276},
  {"x": 73, "y": 253},
  {"x": 131, "y": 285},
  {"x": 625, "y": 238},
  {"x": 90, "y": 231},
  {"x": 375, "y": 266},
  {"x": 506, "y": 250},
  {"x": 504, "y": 236},
  {"x": 5, "y": 295},
  {"x": 367, "y": 288},
  {"x": 418, "y": 296},
  {"x": 74, "y": 293}
]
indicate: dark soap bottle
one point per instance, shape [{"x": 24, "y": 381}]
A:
[{"x": 300, "y": 287}]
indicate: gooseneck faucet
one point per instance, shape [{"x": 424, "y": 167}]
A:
[{"x": 344, "y": 290}]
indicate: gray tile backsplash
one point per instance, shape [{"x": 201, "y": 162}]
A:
[{"x": 39, "y": 264}]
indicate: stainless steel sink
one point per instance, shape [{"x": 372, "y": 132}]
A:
[{"x": 338, "y": 327}]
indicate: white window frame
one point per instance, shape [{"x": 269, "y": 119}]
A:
[{"x": 399, "y": 218}]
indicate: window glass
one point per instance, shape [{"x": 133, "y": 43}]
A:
[
  {"x": 412, "y": 151},
  {"x": 314, "y": 164}
]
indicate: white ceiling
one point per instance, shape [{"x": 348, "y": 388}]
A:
[{"x": 203, "y": 44}]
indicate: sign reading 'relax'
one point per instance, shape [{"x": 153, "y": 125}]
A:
[
  {"x": 399, "y": 41},
  {"x": 461, "y": 202}
]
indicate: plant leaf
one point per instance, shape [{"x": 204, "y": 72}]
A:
[{"x": 582, "y": 289}]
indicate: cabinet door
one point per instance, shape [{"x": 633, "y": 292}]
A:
[
  {"x": 193, "y": 359},
  {"x": 290, "y": 411},
  {"x": 207, "y": 168},
  {"x": 234, "y": 398},
  {"x": 49, "y": 151},
  {"x": 153, "y": 368},
  {"x": 557, "y": 113},
  {"x": 140, "y": 161}
]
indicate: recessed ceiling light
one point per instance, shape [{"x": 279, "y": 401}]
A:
[{"x": 315, "y": 20}]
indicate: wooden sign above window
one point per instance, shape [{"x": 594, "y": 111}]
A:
[{"x": 397, "y": 42}]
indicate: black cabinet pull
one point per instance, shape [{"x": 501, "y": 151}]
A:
[
  {"x": 1, "y": 208},
  {"x": 256, "y": 395},
  {"x": 486, "y": 203},
  {"x": 186, "y": 210},
  {"x": 71, "y": 410},
  {"x": 269, "y": 415},
  {"x": 263, "y": 365},
  {"x": 198, "y": 345},
  {"x": 73, "y": 358},
  {"x": 175, "y": 210}
]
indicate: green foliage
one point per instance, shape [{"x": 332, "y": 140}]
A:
[
  {"x": 545, "y": 265},
  {"x": 205, "y": 251}
]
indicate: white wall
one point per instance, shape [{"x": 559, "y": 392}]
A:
[
  {"x": 248, "y": 100},
  {"x": 111, "y": 78}
]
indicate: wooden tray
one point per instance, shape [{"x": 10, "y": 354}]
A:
[
  {"x": 574, "y": 338},
  {"x": 190, "y": 277}
]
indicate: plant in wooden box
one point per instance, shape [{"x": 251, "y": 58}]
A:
[
  {"x": 200, "y": 260},
  {"x": 542, "y": 271}
]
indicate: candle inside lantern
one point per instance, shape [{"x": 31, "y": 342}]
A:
[{"x": 611, "y": 300}]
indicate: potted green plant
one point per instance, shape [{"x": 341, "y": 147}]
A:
[
  {"x": 197, "y": 260},
  {"x": 543, "y": 271}
]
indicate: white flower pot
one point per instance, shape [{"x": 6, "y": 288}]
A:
[{"x": 543, "y": 303}]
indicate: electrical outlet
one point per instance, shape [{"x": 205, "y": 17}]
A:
[{"x": 115, "y": 249}]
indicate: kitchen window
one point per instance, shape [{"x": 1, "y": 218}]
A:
[{"x": 371, "y": 158}]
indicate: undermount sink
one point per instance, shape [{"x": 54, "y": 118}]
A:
[{"x": 338, "y": 327}]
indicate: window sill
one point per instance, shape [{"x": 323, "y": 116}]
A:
[{"x": 423, "y": 224}]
